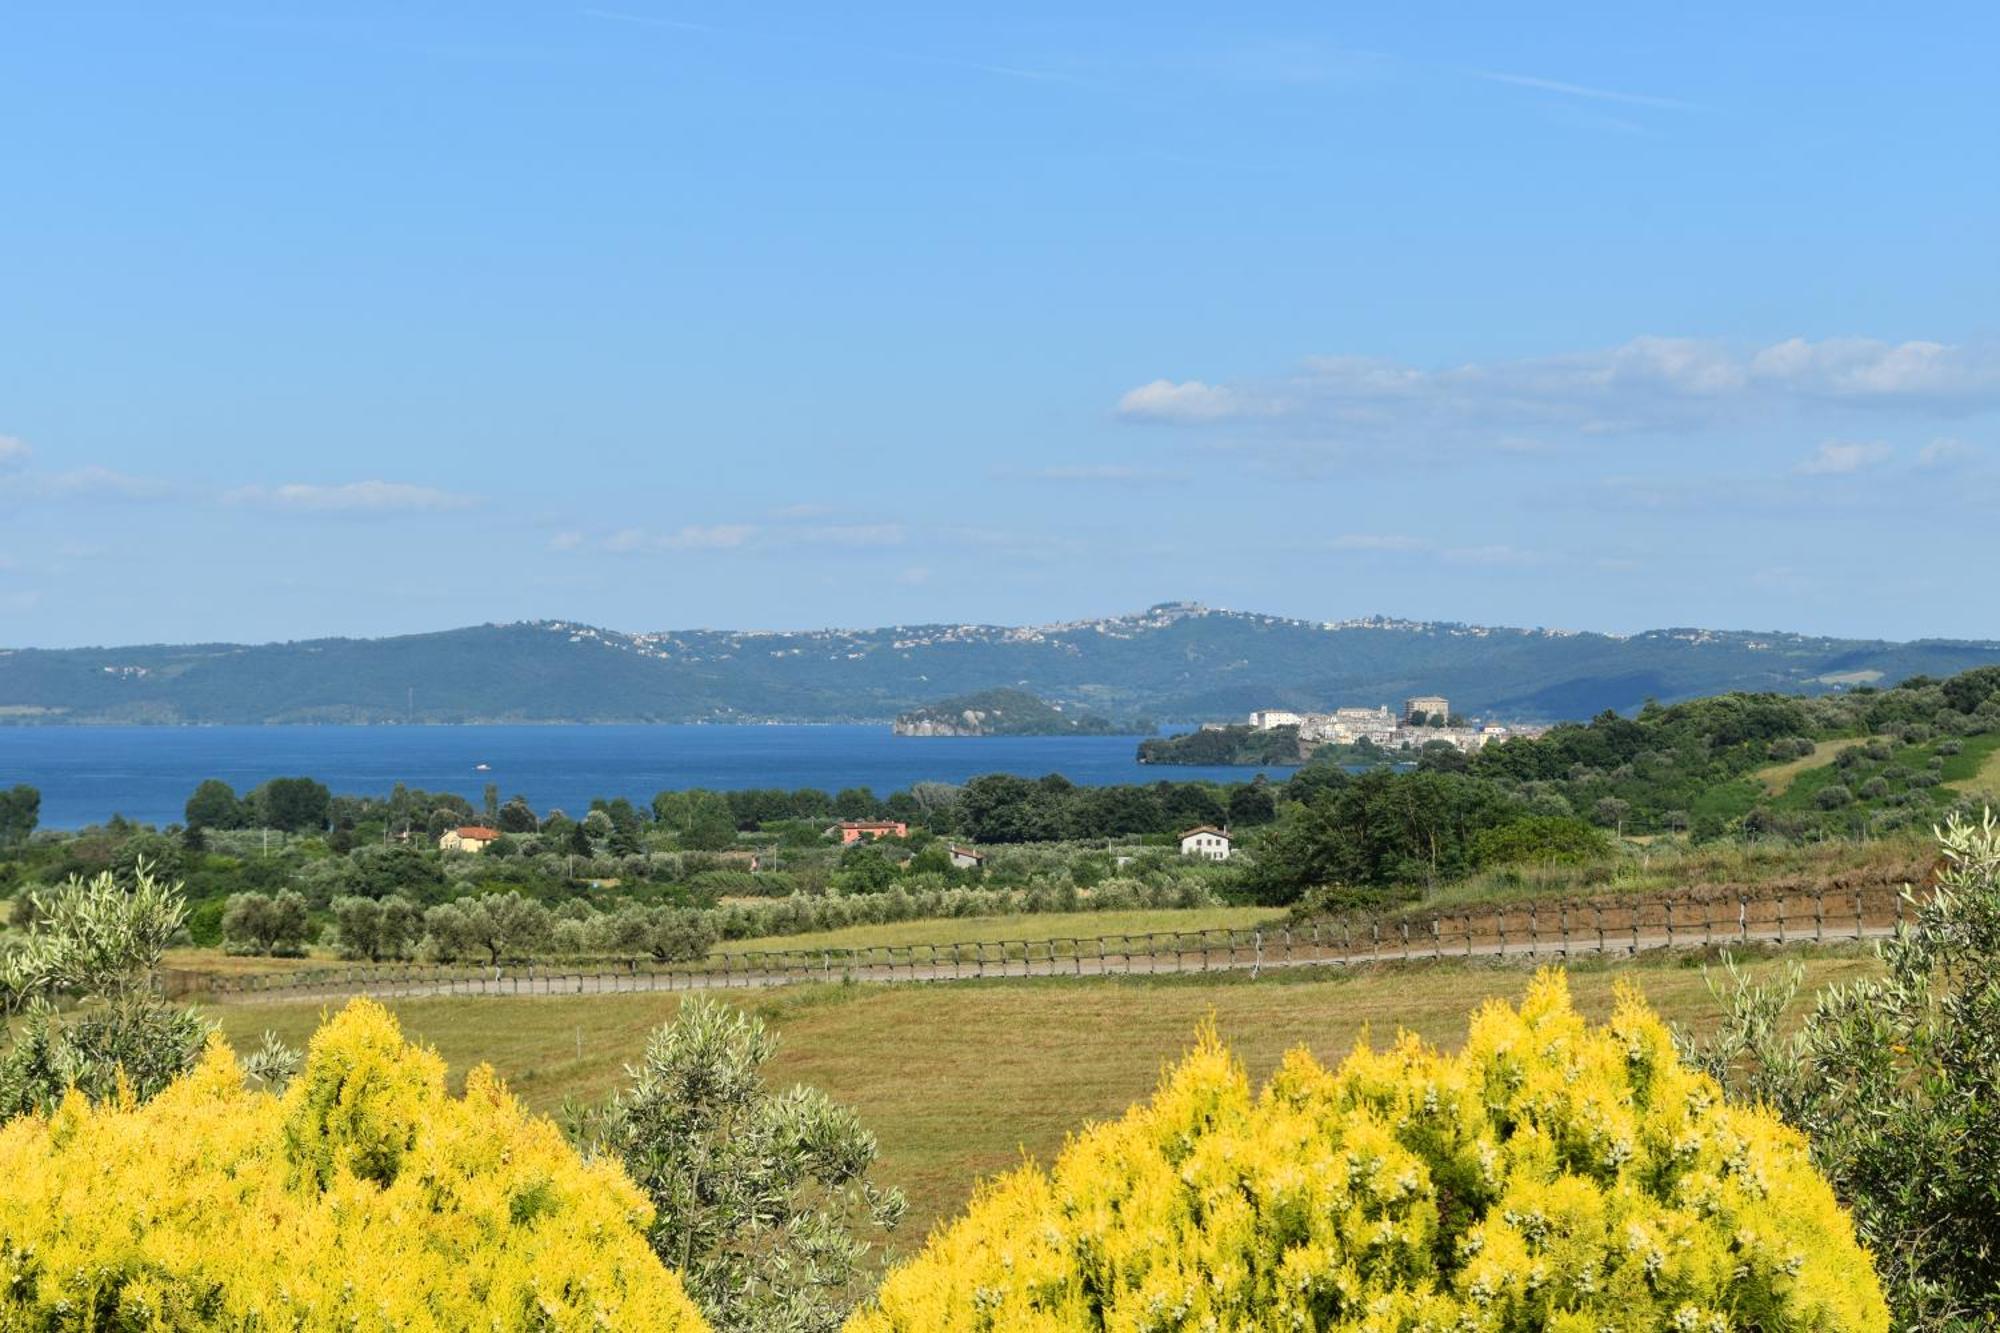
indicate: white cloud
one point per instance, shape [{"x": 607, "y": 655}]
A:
[
  {"x": 370, "y": 497},
  {"x": 1838, "y": 458},
  {"x": 14, "y": 452},
  {"x": 1646, "y": 384},
  {"x": 1191, "y": 400},
  {"x": 566, "y": 541},
  {"x": 1865, "y": 369},
  {"x": 1582, "y": 90},
  {"x": 691, "y": 537},
  {"x": 1945, "y": 453}
]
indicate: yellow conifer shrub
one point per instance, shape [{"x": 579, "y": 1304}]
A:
[
  {"x": 1550, "y": 1175},
  {"x": 365, "y": 1198}
]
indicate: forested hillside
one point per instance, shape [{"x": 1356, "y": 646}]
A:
[{"x": 1174, "y": 662}]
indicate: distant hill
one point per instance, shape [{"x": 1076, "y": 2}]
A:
[
  {"x": 1005, "y": 712},
  {"x": 1175, "y": 662}
]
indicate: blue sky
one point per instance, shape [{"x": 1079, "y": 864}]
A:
[{"x": 370, "y": 318}]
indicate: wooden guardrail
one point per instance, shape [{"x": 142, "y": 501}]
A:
[{"x": 1530, "y": 930}]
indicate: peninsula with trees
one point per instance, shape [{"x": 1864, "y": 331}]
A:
[{"x": 1007, "y": 712}]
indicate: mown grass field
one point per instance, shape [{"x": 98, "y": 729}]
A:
[
  {"x": 960, "y": 1080},
  {"x": 1025, "y": 926}
]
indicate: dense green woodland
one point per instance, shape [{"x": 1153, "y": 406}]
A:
[
  {"x": 1173, "y": 662},
  {"x": 276, "y": 868}
]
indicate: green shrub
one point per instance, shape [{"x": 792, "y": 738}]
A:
[
  {"x": 1562, "y": 839},
  {"x": 1897, "y": 1082}
]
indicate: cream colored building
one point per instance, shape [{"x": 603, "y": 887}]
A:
[
  {"x": 1266, "y": 718},
  {"x": 1430, "y": 705},
  {"x": 1210, "y": 844},
  {"x": 471, "y": 838}
]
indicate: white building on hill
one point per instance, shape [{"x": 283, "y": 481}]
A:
[{"x": 1207, "y": 842}]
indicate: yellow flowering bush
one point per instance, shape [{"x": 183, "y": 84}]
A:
[
  {"x": 1550, "y": 1175},
  {"x": 365, "y": 1198}
]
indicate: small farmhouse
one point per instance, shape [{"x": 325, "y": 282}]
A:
[
  {"x": 1211, "y": 844},
  {"x": 471, "y": 838},
  {"x": 964, "y": 858},
  {"x": 854, "y": 830}
]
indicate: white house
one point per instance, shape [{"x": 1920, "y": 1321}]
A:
[
  {"x": 1209, "y": 843},
  {"x": 966, "y": 859}
]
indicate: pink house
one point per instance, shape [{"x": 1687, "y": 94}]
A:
[{"x": 854, "y": 830}]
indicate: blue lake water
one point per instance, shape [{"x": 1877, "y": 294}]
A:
[{"x": 86, "y": 774}]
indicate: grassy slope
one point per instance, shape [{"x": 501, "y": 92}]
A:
[
  {"x": 1976, "y": 768},
  {"x": 1778, "y": 778},
  {"x": 960, "y": 1080},
  {"x": 1673, "y": 865}
]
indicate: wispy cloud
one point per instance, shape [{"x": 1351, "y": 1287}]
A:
[
  {"x": 1838, "y": 458},
  {"x": 1647, "y": 384},
  {"x": 1945, "y": 452},
  {"x": 1187, "y": 400},
  {"x": 691, "y": 537},
  {"x": 1582, "y": 90},
  {"x": 84, "y": 483},
  {"x": 354, "y": 497},
  {"x": 14, "y": 452}
]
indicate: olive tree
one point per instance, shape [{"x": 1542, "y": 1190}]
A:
[
  {"x": 763, "y": 1196},
  {"x": 1896, "y": 1080},
  {"x": 499, "y": 925},
  {"x": 375, "y": 929},
  {"x": 277, "y": 924},
  {"x": 86, "y": 979}
]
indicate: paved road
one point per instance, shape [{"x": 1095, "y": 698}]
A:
[{"x": 1274, "y": 955}]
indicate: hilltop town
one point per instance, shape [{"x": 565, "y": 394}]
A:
[
  {"x": 1279, "y": 736},
  {"x": 1424, "y": 718}
]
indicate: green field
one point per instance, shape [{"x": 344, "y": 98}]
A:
[
  {"x": 1976, "y": 768},
  {"x": 1026, "y": 926},
  {"x": 960, "y": 1080},
  {"x": 1778, "y": 778}
]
